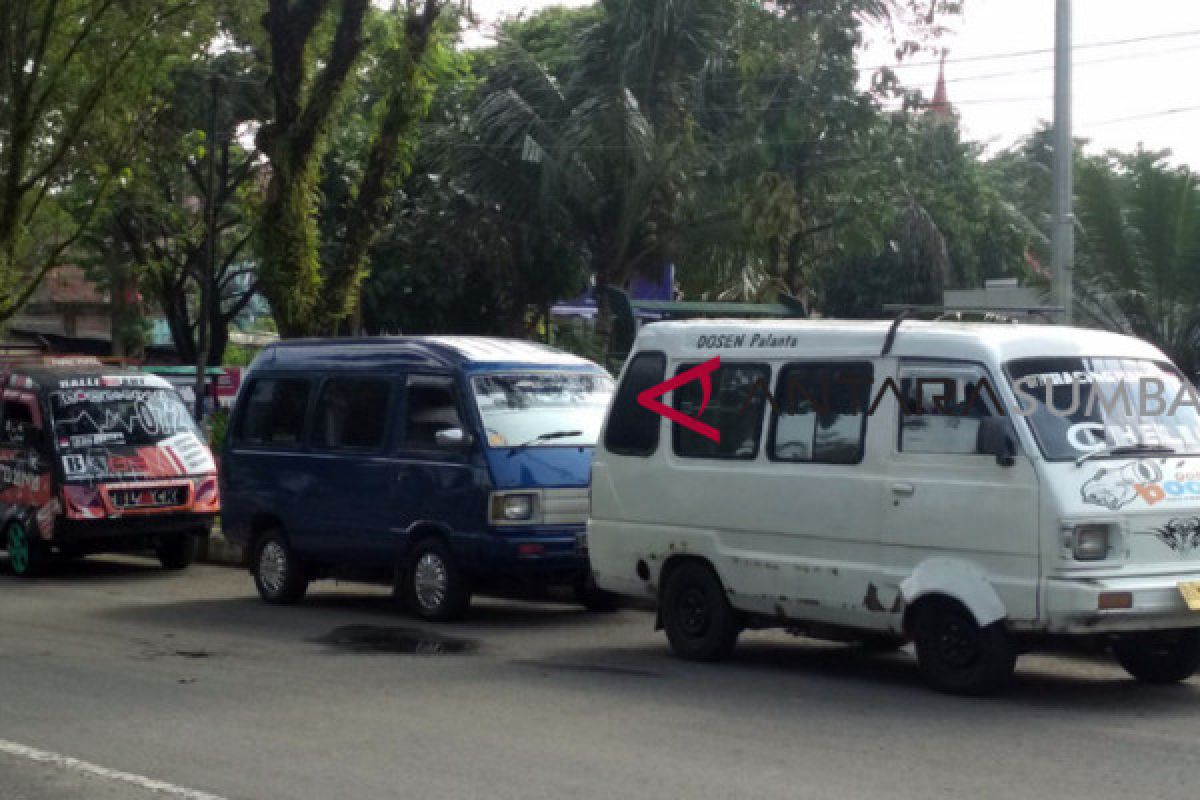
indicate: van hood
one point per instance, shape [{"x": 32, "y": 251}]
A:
[
  {"x": 540, "y": 467},
  {"x": 1156, "y": 501},
  {"x": 96, "y": 460}
]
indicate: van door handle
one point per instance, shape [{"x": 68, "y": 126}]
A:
[{"x": 903, "y": 489}]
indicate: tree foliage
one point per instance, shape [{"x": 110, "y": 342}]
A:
[
  {"x": 315, "y": 48},
  {"x": 75, "y": 78}
]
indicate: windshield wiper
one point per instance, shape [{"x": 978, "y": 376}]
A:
[
  {"x": 545, "y": 437},
  {"x": 1126, "y": 450}
]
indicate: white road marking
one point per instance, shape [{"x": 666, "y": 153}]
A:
[{"x": 76, "y": 765}]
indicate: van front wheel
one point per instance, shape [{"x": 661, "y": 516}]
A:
[
  {"x": 1159, "y": 657},
  {"x": 700, "y": 623},
  {"x": 958, "y": 656},
  {"x": 178, "y": 552},
  {"x": 437, "y": 590}
]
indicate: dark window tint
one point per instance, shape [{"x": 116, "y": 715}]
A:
[
  {"x": 274, "y": 414},
  {"x": 633, "y": 429},
  {"x": 430, "y": 409},
  {"x": 821, "y": 413},
  {"x": 351, "y": 414},
  {"x": 739, "y": 392},
  {"x": 18, "y": 421}
]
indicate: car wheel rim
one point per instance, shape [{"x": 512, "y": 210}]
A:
[
  {"x": 957, "y": 643},
  {"x": 430, "y": 581},
  {"x": 693, "y": 612},
  {"x": 272, "y": 567},
  {"x": 18, "y": 549}
]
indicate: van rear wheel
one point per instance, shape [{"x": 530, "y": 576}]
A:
[
  {"x": 1159, "y": 657},
  {"x": 956, "y": 654},
  {"x": 700, "y": 623},
  {"x": 279, "y": 574}
]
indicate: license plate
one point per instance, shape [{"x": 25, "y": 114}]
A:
[
  {"x": 1191, "y": 594},
  {"x": 161, "y": 497}
]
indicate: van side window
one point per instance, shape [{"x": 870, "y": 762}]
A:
[
  {"x": 351, "y": 414},
  {"x": 633, "y": 429},
  {"x": 739, "y": 393},
  {"x": 18, "y": 421},
  {"x": 431, "y": 408},
  {"x": 821, "y": 413},
  {"x": 275, "y": 412},
  {"x": 944, "y": 405}
]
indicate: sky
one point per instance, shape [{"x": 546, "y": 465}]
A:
[{"x": 1124, "y": 93}]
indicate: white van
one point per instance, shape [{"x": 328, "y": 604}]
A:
[{"x": 979, "y": 489}]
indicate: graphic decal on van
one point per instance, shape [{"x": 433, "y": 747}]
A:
[
  {"x": 1181, "y": 535},
  {"x": 1116, "y": 487},
  {"x": 701, "y": 372}
]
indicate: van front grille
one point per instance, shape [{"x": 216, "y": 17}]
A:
[{"x": 565, "y": 506}]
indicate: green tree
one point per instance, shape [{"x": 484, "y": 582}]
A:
[
  {"x": 74, "y": 79},
  {"x": 153, "y": 233},
  {"x": 1138, "y": 251},
  {"x": 316, "y": 50}
]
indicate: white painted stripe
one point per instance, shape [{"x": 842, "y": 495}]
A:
[{"x": 75, "y": 765}]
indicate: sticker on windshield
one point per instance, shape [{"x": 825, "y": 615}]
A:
[{"x": 191, "y": 454}]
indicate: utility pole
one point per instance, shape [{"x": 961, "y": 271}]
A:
[
  {"x": 208, "y": 268},
  {"x": 1064, "y": 167}
]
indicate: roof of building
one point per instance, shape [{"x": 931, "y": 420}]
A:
[
  {"x": 427, "y": 351},
  {"x": 981, "y": 341}
]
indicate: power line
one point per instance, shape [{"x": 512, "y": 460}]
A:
[
  {"x": 1040, "y": 51},
  {"x": 1169, "y": 112}
]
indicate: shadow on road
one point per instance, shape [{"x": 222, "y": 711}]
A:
[{"x": 95, "y": 569}]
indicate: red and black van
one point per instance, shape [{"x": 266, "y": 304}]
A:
[{"x": 97, "y": 459}]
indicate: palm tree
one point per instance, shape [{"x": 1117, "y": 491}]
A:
[
  {"x": 1138, "y": 260},
  {"x": 609, "y": 154}
]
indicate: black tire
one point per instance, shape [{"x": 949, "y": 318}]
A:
[
  {"x": 880, "y": 643},
  {"x": 28, "y": 554},
  {"x": 279, "y": 575},
  {"x": 1160, "y": 657},
  {"x": 178, "y": 552},
  {"x": 433, "y": 586},
  {"x": 593, "y": 598},
  {"x": 700, "y": 623},
  {"x": 956, "y": 655}
]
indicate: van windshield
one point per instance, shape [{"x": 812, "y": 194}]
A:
[
  {"x": 542, "y": 408},
  {"x": 1078, "y": 406},
  {"x": 91, "y": 417}
]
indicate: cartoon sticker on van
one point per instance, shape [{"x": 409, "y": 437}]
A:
[{"x": 1116, "y": 487}]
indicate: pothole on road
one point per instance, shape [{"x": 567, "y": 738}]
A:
[{"x": 395, "y": 641}]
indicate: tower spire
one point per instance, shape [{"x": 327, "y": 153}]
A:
[{"x": 941, "y": 97}]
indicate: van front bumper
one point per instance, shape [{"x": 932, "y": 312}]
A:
[
  {"x": 1073, "y": 604},
  {"x": 535, "y": 555}
]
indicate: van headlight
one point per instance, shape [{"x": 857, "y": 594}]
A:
[
  {"x": 513, "y": 508},
  {"x": 1090, "y": 542}
]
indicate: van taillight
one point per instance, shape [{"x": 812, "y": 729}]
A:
[{"x": 83, "y": 501}]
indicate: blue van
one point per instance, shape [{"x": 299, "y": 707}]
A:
[{"x": 440, "y": 464}]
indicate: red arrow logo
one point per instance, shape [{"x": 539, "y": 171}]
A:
[{"x": 703, "y": 373}]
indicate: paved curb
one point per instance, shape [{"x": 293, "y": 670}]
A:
[{"x": 219, "y": 550}]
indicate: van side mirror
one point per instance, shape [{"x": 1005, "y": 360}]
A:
[
  {"x": 996, "y": 439},
  {"x": 453, "y": 439}
]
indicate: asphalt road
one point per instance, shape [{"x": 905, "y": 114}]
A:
[{"x": 118, "y": 680}]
